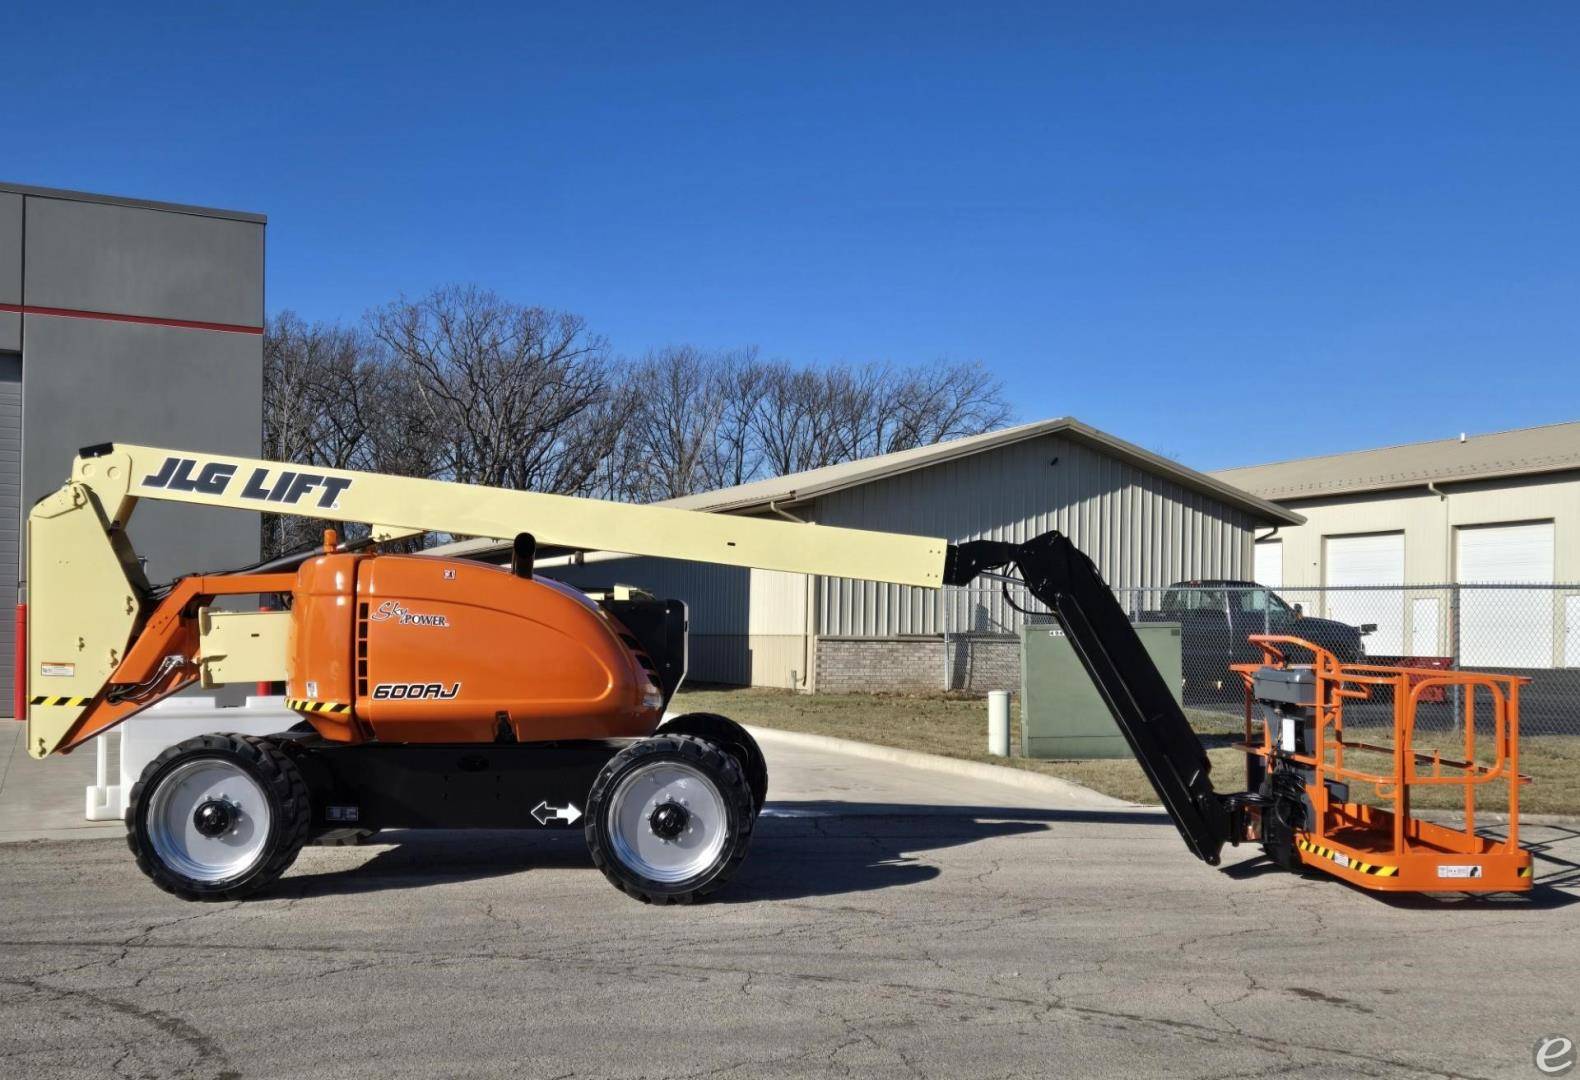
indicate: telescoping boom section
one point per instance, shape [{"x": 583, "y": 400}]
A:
[{"x": 417, "y": 676}]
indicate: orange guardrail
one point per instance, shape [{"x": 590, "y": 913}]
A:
[{"x": 1382, "y": 844}]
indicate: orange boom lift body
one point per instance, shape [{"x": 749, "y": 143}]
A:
[{"x": 363, "y": 669}]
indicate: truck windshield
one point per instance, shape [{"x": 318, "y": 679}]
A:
[
  {"x": 1191, "y": 599},
  {"x": 1262, "y": 600}
]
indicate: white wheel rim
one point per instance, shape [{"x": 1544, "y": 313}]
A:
[
  {"x": 173, "y": 831},
  {"x": 643, "y": 791}
]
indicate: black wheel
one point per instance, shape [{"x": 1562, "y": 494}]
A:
[
  {"x": 722, "y": 731},
  {"x": 669, "y": 818},
  {"x": 217, "y": 817}
]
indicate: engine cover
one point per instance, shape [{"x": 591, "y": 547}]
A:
[{"x": 404, "y": 648}]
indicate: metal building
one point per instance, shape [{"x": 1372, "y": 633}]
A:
[
  {"x": 1146, "y": 520},
  {"x": 133, "y": 321},
  {"x": 1496, "y": 509}
]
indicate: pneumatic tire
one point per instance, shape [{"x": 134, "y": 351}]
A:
[
  {"x": 218, "y": 817},
  {"x": 669, "y": 819},
  {"x": 722, "y": 731}
]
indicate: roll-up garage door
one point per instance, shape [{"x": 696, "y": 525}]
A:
[
  {"x": 1352, "y": 566},
  {"x": 1270, "y": 563},
  {"x": 1505, "y": 627},
  {"x": 10, "y": 515}
]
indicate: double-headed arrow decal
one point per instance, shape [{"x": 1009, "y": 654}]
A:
[{"x": 570, "y": 813}]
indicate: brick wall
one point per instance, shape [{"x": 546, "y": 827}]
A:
[
  {"x": 978, "y": 664},
  {"x": 868, "y": 665}
]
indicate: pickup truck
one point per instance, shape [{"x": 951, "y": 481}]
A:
[{"x": 1217, "y": 617}]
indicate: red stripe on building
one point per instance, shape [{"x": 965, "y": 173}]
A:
[{"x": 146, "y": 320}]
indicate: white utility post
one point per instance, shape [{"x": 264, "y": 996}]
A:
[{"x": 998, "y": 723}]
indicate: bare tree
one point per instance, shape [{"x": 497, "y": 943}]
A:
[
  {"x": 613, "y": 473},
  {"x": 678, "y": 396},
  {"x": 737, "y": 457},
  {"x": 806, "y": 418},
  {"x": 503, "y": 389},
  {"x": 315, "y": 408},
  {"x": 792, "y": 422},
  {"x": 939, "y": 402},
  {"x": 464, "y": 385}
]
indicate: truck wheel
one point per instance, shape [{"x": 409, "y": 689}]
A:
[
  {"x": 217, "y": 817},
  {"x": 722, "y": 731},
  {"x": 669, "y": 818}
]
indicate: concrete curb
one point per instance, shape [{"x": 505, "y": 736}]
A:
[{"x": 1068, "y": 790}]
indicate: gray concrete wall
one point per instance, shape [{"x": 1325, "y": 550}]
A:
[
  {"x": 87, "y": 379},
  {"x": 136, "y": 261},
  {"x": 10, "y": 271}
]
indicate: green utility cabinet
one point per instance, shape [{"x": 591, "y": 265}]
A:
[{"x": 1061, "y": 714}]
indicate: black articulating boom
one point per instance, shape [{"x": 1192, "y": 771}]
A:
[{"x": 1060, "y": 576}]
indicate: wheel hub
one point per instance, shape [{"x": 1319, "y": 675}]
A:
[
  {"x": 195, "y": 821},
  {"x": 214, "y": 817},
  {"x": 669, "y": 820}
]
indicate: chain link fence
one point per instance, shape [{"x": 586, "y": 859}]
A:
[{"x": 1529, "y": 630}]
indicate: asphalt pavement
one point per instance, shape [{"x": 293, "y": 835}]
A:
[{"x": 889, "y": 922}]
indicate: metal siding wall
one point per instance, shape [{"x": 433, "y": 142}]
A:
[
  {"x": 1428, "y": 523},
  {"x": 1140, "y": 528},
  {"x": 1143, "y": 530},
  {"x": 716, "y": 596},
  {"x": 777, "y": 603},
  {"x": 724, "y": 647}
]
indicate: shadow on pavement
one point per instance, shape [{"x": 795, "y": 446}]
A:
[
  {"x": 830, "y": 848},
  {"x": 801, "y": 849},
  {"x": 409, "y": 859}
]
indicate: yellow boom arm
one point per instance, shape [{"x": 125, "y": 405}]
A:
[{"x": 85, "y": 589}]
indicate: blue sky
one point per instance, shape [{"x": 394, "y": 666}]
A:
[{"x": 1231, "y": 233}]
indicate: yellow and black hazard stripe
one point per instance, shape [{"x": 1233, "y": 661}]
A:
[
  {"x": 1347, "y": 861},
  {"x": 303, "y": 705},
  {"x": 47, "y": 699},
  {"x": 1525, "y": 871}
]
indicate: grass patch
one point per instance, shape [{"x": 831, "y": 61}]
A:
[{"x": 957, "y": 727}]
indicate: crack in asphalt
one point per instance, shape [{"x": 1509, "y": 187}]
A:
[
  {"x": 927, "y": 994},
  {"x": 917, "y": 970},
  {"x": 206, "y": 1049}
]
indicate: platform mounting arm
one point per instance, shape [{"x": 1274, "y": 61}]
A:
[{"x": 1060, "y": 576}]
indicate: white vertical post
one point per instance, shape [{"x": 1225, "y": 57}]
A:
[
  {"x": 98, "y": 804},
  {"x": 998, "y": 723}
]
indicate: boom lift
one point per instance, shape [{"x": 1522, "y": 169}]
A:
[{"x": 439, "y": 692}]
